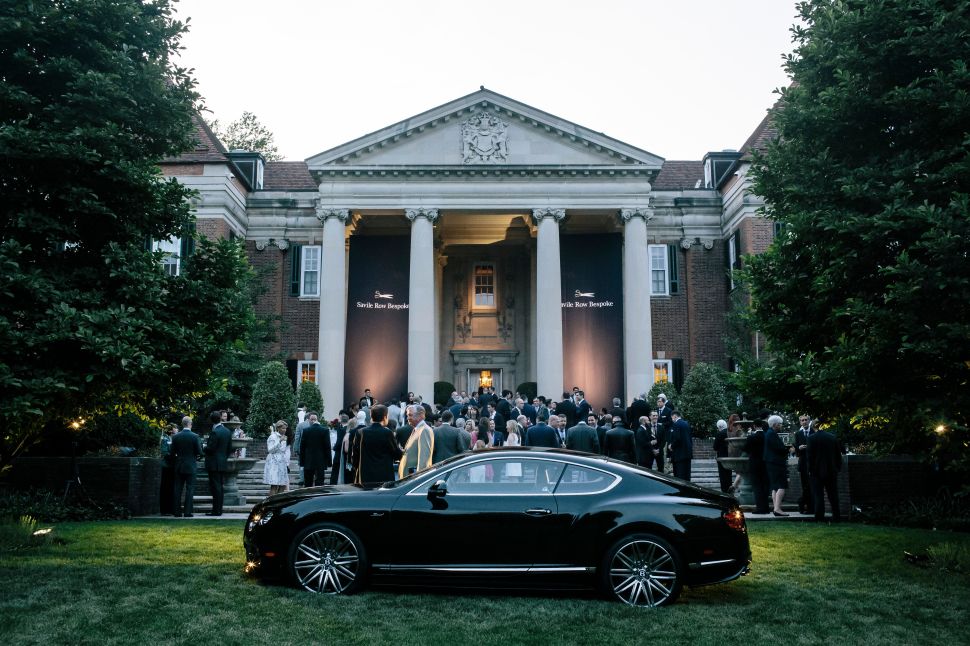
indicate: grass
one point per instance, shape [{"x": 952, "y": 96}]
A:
[{"x": 164, "y": 582}]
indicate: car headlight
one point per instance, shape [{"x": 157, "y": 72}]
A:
[{"x": 260, "y": 518}]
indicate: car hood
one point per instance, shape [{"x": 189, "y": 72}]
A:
[{"x": 315, "y": 492}]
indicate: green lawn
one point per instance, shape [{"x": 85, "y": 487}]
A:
[{"x": 165, "y": 582}]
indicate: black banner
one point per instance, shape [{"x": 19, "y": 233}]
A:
[
  {"x": 592, "y": 315},
  {"x": 377, "y": 318}
]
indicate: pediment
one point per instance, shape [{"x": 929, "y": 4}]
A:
[{"x": 485, "y": 130}]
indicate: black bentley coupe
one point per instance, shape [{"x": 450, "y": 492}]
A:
[{"x": 508, "y": 517}]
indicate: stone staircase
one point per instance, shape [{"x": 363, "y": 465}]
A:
[
  {"x": 250, "y": 486},
  {"x": 703, "y": 472}
]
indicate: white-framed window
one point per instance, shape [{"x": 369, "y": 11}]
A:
[
  {"x": 307, "y": 371},
  {"x": 484, "y": 285},
  {"x": 659, "y": 271},
  {"x": 172, "y": 247},
  {"x": 663, "y": 370},
  {"x": 310, "y": 271}
]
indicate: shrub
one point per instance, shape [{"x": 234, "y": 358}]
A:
[
  {"x": 50, "y": 507},
  {"x": 308, "y": 393},
  {"x": 703, "y": 400},
  {"x": 951, "y": 557},
  {"x": 528, "y": 390},
  {"x": 442, "y": 392},
  {"x": 942, "y": 511},
  {"x": 18, "y": 533},
  {"x": 273, "y": 399}
]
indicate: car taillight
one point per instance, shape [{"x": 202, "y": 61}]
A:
[{"x": 735, "y": 519}]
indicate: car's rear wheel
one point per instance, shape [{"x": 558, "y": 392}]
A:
[
  {"x": 328, "y": 559},
  {"x": 642, "y": 570}
]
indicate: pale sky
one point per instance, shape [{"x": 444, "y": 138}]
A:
[{"x": 675, "y": 77}]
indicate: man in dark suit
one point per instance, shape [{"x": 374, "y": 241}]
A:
[
  {"x": 806, "y": 502},
  {"x": 377, "y": 448},
  {"x": 186, "y": 451},
  {"x": 582, "y": 437},
  {"x": 530, "y": 411},
  {"x": 447, "y": 440},
  {"x": 504, "y": 406},
  {"x": 567, "y": 407},
  {"x": 367, "y": 400},
  {"x": 541, "y": 434},
  {"x": 618, "y": 409},
  {"x": 315, "y": 452},
  {"x": 619, "y": 442},
  {"x": 658, "y": 440},
  {"x": 824, "y": 463},
  {"x": 754, "y": 446},
  {"x": 641, "y": 438},
  {"x": 664, "y": 412},
  {"x": 218, "y": 446},
  {"x": 681, "y": 446},
  {"x": 582, "y": 406},
  {"x": 604, "y": 425},
  {"x": 637, "y": 409}
]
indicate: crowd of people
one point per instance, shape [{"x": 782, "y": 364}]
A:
[
  {"x": 371, "y": 442},
  {"x": 819, "y": 455}
]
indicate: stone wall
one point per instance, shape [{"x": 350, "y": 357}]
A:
[{"x": 131, "y": 482}]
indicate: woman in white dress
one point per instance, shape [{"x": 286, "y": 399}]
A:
[
  {"x": 513, "y": 470},
  {"x": 275, "y": 473}
]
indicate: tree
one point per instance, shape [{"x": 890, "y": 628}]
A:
[
  {"x": 90, "y": 322},
  {"x": 865, "y": 296},
  {"x": 247, "y": 133},
  {"x": 308, "y": 393},
  {"x": 704, "y": 399},
  {"x": 273, "y": 400}
]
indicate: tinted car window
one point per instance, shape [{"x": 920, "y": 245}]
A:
[
  {"x": 505, "y": 476},
  {"x": 579, "y": 479}
]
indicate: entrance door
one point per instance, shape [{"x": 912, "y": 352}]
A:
[{"x": 483, "y": 378}]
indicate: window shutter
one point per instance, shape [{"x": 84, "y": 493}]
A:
[
  {"x": 678, "y": 369},
  {"x": 673, "y": 271},
  {"x": 737, "y": 249},
  {"x": 295, "y": 257},
  {"x": 291, "y": 366}
]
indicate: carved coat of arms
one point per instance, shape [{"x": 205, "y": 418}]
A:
[{"x": 484, "y": 140}]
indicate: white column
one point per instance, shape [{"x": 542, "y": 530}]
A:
[
  {"x": 637, "y": 330},
  {"x": 333, "y": 307},
  {"x": 548, "y": 303},
  {"x": 421, "y": 300}
]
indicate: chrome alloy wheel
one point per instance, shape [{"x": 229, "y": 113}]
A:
[
  {"x": 643, "y": 573},
  {"x": 326, "y": 561}
]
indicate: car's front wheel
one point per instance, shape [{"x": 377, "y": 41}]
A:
[
  {"x": 642, "y": 570},
  {"x": 328, "y": 559}
]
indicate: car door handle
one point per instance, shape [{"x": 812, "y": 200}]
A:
[{"x": 538, "y": 512}]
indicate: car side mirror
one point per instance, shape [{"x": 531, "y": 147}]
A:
[{"x": 438, "y": 490}]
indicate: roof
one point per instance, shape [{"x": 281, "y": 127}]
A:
[
  {"x": 556, "y": 126},
  {"x": 762, "y": 135},
  {"x": 208, "y": 148},
  {"x": 679, "y": 175},
  {"x": 287, "y": 176}
]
